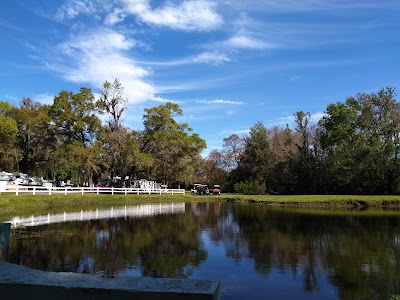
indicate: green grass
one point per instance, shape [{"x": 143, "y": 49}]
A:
[
  {"x": 23, "y": 205},
  {"x": 319, "y": 199}
]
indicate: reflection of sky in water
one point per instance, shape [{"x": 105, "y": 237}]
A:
[
  {"x": 102, "y": 236},
  {"x": 86, "y": 265},
  {"x": 256, "y": 252},
  {"x": 239, "y": 281}
]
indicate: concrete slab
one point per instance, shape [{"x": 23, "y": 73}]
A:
[{"x": 17, "y": 282}]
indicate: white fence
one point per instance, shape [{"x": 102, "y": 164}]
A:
[
  {"x": 40, "y": 190},
  {"x": 127, "y": 211}
]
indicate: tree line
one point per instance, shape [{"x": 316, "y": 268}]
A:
[
  {"x": 352, "y": 149},
  {"x": 68, "y": 140}
]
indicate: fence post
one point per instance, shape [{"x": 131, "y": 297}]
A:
[
  {"x": 17, "y": 191},
  {"x": 97, "y": 190},
  {"x": 65, "y": 190},
  {"x": 49, "y": 190},
  {"x": 82, "y": 190},
  {"x": 112, "y": 190},
  {"x": 172, "y": 191},
  {"x": 34, "y": 190}
]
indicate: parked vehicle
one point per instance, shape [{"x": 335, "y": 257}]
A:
[
  {"x": 194, "y": 189},
  {"x": 200, "y": 189},
  {"x": 216, "y": 189}
]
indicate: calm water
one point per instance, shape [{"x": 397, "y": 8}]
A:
[{"x": 257, "y": 252}]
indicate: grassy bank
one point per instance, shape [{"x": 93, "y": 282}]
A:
[
  {"x": 11, "y": 205},
  {"x": 320, "y": 200}
]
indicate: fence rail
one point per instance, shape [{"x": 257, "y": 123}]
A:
[{"x": 40, "y": 190}]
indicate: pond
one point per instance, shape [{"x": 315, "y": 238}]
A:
[{"x": 255, "y": 251}]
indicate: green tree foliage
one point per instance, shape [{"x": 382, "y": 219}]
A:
[
  {"x": 76, "y": 127},
  {"x": 354, "y": 149},
  {"x": 170, "y": 143},
  {"x": 8, "y": 132},
  {"x": 74, "y": 116},
  {"x": 361, "y": 137},
  {"x": 35, "y": 139},
  {"x": 285, "y": 153},
  {"x": 255, "y": 161}
]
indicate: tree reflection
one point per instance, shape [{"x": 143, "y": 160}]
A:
[
  {"x": 162, "y": 246},
  {"x": 356, "y": 255}
]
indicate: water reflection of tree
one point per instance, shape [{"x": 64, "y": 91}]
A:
[
  {"x": 359, "y": 255},
  {"x": 160, "y": 246}
]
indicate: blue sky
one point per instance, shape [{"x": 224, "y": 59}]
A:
[{"x": 228, "y": 64}]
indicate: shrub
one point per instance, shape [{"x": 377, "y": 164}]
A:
[{"x": 245, "y": 187}]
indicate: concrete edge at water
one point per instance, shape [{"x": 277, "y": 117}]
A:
[{"x": 18, "y": 282}]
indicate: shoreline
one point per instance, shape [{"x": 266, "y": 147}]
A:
[{"x": 12, "y": 205}]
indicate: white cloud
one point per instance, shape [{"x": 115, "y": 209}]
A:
[
  {"x": 212, "y": 58},
  {"x": 72, "y": 8},
  {"x": 247, "y": 42},
  {"x": 238, "y": 132},
  {"x": 117, "y": 16},
  {"x": 315, "y": 117},
  {"x": 190, "y": 15},
  {"x": 221, "y": 102},
  {"x": 99, "y": 55},
  {"x": 8, "y": 97},
  {"x": 43, "y": 98},
  {"x": 243, "y": 40}
]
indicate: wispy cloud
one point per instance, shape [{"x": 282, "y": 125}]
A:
[
  {"x": 6, "y": 24},
  {"x": 12, "y": 98},
  {"x": 190, "y": 15},
  {"x": 218, "y": 101},
  {"x": 294, "y": 78},
  {"x": 238, "y": 132},
  {"x": 215, "y": 58},
  {"x": 245, "y": 41},
  {"x": 72, "y": 8},
  {"x": 288, "y": 6},
  {"x": 99, "y": 55},
  {"x": 212, "y": 58}
]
